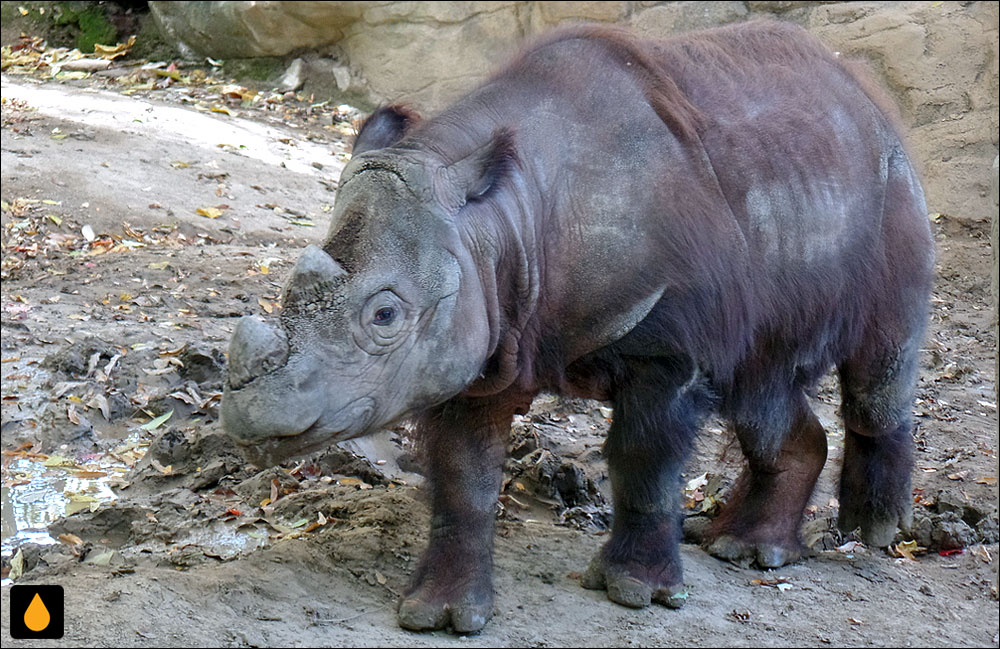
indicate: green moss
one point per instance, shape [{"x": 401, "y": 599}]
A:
[
  {"x": 262, "y": 68},
  {"x": 63, "y": 24},
  {"x": 94, "y": 29},
  {"x": 149, "y": 44}
]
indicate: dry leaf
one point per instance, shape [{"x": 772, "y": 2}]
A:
[
  {"x": 70, "y": 539},
  {"x": 79, "y": 503},
  {"x": 165, "y": 470},
  {"x": 88, "y": 475},
  {"x": 210, "y": 212},
  {"x": 100, "y": 402},
  {"x": 907, "y": 549},
  {"x": 100, "y": 558},
  {"x": 16, "y": 565},
  {"x": 114, "y": 51},
  {"x": 153, "y": 424}
]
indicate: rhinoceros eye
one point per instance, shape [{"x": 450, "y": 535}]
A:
[
  {"x": 383, "y": 319},
  {"x": 384, "y": 316}
]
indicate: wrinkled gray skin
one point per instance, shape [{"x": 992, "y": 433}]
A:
[
  {"x": 327, "y": 372},
  {"x": 706, "y": 223}
]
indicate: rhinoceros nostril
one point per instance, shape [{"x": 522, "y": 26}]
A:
[{"x": 256, "y": 349}]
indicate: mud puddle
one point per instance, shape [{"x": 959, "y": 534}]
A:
[{"x": 42, "y": 491}]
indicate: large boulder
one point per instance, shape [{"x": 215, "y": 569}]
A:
[
  {"x": 429, "y": 53},
  {"x": 939, "y": 61},
  {"x": 251, "y": 29}
]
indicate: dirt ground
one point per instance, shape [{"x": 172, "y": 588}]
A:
[{"x": 118, "y": 300}]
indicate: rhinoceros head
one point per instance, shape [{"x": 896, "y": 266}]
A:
[{"x": 386, "y": 318}]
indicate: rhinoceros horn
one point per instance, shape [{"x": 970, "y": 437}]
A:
[{"x": 315, "y": 273}]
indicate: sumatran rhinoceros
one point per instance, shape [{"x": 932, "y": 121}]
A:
[{"x": 706, "y": 223}]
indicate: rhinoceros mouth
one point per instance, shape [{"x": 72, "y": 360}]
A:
[{"x": 353, "y": 420}]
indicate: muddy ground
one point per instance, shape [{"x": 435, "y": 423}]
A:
[{"x": 118, "y": 299}]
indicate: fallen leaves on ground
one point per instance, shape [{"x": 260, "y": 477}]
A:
[
  {"x": 209, "y": 212},
  {"x": 202, "y": 87},
  {"x": 156, "y": 422},
  {"x": 34, "y": 232},
  {"x": 32, "y": 55},
  {"x": 907, "y": 550}
]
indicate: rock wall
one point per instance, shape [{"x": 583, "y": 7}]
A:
[
  {"x": 995, "y": 242},
  {"x": 939, "y": 60}
]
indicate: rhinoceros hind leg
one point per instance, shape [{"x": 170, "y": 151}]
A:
[
  {"x": 877, "y": 388},
  {"x": 878, "y": 379},
  {"x": 759, "y": 522}
]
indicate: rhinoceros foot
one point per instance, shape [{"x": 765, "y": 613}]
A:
[
  {"x": 635, "y": 586},
  {"x": 763, "y": 554},
  {"x": 435, "y": 601},
  {"x": 878, "y": 529}
]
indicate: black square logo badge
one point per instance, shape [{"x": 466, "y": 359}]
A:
[{"x": 36, "y": 612}]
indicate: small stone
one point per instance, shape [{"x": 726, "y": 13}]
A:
[
  {"x": 293, "y": 78},
  {"x": 951, "y": 533}
]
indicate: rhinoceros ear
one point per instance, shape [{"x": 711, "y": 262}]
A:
[
  {"x": 479, "y": 173},
  {"x": 383, "y": 128}
]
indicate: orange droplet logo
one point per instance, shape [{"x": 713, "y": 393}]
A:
[{"x": 37, "y": 616}]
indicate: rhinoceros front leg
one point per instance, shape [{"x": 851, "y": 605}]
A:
[
  {"x": 465, "y": 443},
  {"x": 655, "y": 418}
]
